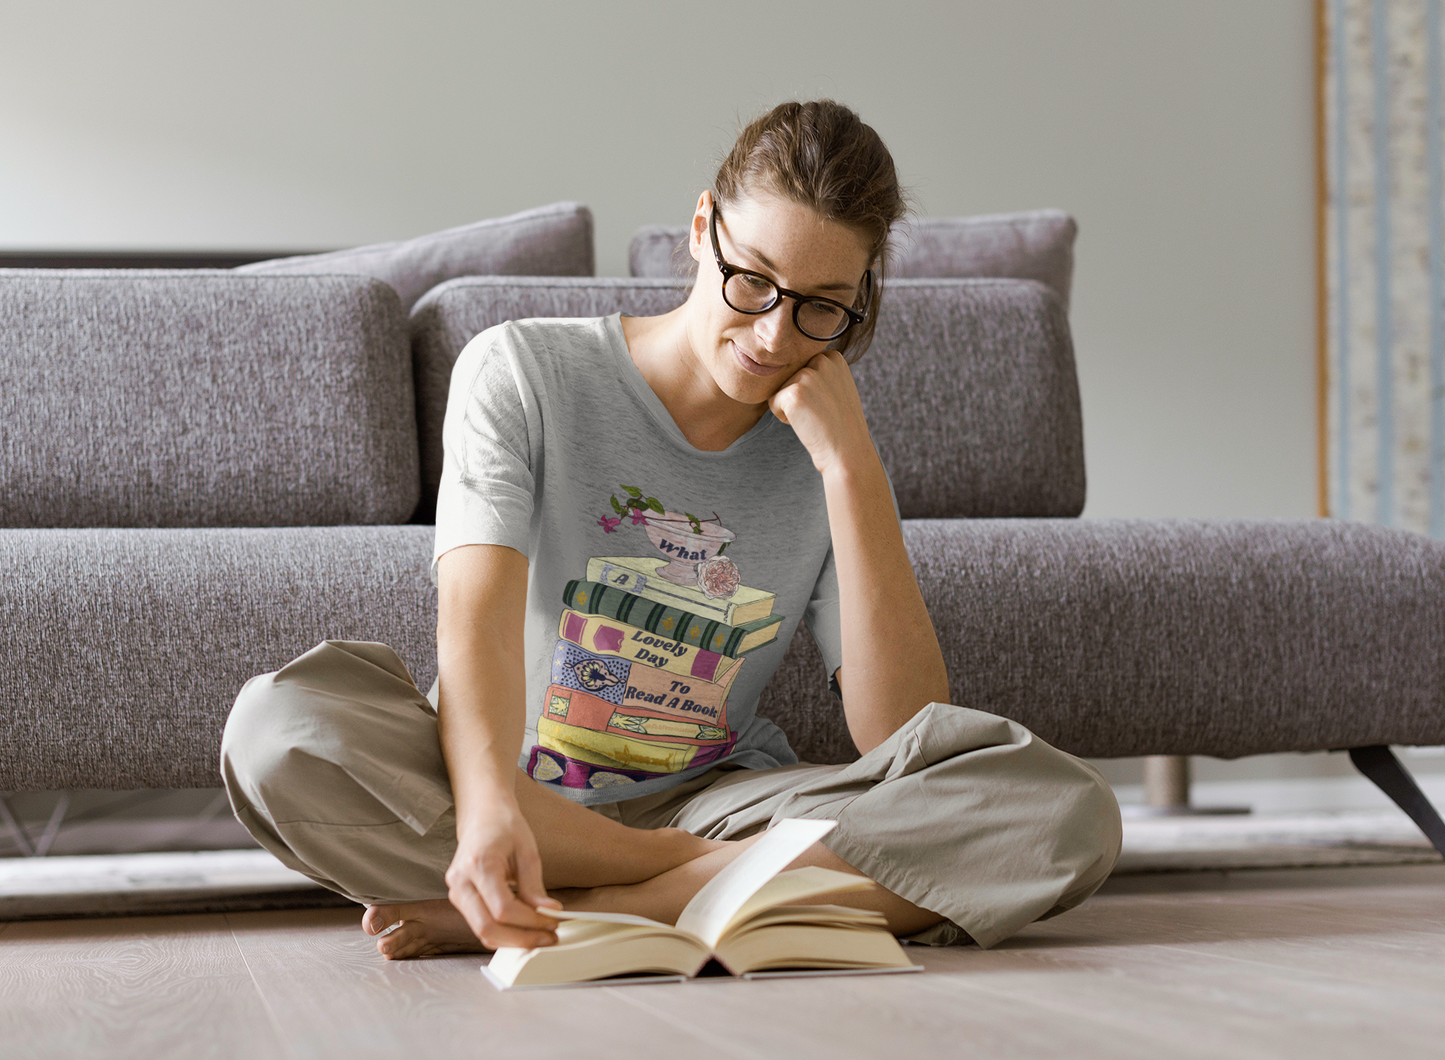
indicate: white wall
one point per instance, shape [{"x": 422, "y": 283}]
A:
[{"x": 1179, "y": 134}]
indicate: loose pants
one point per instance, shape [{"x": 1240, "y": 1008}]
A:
[{"x": 334, "y": 765}]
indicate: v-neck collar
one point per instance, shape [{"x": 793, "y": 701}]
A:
[{"x": 635, "y": 379}]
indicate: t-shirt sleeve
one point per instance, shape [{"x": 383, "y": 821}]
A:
[
  {"x": 487, "y": 485},
  {"x": 822, "y": 614}
]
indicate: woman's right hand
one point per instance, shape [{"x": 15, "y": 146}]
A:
[{"x": 495, "y": 878}]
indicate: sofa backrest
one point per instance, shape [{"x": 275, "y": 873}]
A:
[
  {"x": 553, "y": 240},
  {"x": 969, "y": 387},
  {"x": 198, "y": 398},
  {"x": 1030, "y": 245}
]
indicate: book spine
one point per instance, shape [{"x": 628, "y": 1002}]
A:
[
  {"x": 639, "y": 575},
  {"x": 605, "y": 636},
  {"x": 593, "y": 598},
  {"x": 672, "y": 723},
  {"x": 603, "y": 749}
]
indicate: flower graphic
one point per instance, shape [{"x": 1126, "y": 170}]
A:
[
  {"x": 718, "y": 577},
  {"x": 637, "y": 503},
  {"x": 609, "y": 524}
]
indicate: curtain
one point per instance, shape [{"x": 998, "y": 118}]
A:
[{"x": 1384, "y": 241}]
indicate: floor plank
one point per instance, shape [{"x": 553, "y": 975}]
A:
[
  {"x": 1208, "y": 1009},
  {"x": 146, "y": 987},
  {"x": 1253, "y": 972},
  {"x": 333, "y": 995},
  {"x": 1301, "y": 963},
  {"x": 937, "y": 1013}
]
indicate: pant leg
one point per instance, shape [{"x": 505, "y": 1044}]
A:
[
  {"x": 333, "y": 764},
  {"x": 960, "y": 812}
]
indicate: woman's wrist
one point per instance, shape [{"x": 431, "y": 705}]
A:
[
  {"x": 861, "y": 468},
  {"x": 485, "y": 795}
]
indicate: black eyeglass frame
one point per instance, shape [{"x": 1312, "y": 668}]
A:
[{"x": 729, "y": 271}]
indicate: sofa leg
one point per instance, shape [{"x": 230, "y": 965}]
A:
[
  {"x": 1380, "y": 765},
  {"x": 1166, "y": 783},
  {"x": 1166, "y": 791}
]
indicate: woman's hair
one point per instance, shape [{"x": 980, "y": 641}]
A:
[{"x": 823, "y": 156}]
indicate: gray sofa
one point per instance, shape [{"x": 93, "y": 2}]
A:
[{"x": 204, "y": 474}]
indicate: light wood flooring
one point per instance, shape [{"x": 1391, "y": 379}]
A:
[{"x": 1346, "y": 962}]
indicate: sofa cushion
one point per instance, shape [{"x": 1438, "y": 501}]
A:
[
  {"x": 203, "y": 398},
  {"x": 660, "y": 252},
  {"x": 972, "y": 400},
  {"x": 969, "y": 387},
  {"x": 553, "y": 240},
  {"x": 1134, "y": 637},
  {"x": 449, "y": 316},
  {"x": 1033, "y": 245},
  {"x": 132, "y": 644},
  {"x": 1104, "y": 638}
]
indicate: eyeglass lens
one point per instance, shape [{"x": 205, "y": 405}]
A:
[{"x": 750, "y": 293}]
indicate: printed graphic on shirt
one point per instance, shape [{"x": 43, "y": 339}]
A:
[{"x": 648, "y": 647}]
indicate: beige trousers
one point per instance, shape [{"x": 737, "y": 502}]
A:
[{"x": 333, "y": 764}]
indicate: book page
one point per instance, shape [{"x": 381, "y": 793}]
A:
[
  {"x": 796, "y": 885},
  {"x": 711, "y": 910},
  {"x": 811, "y": 946},
  {"x": 630, "y": 919}
]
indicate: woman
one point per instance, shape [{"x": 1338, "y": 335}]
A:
[{"x": 603, "y": 476}]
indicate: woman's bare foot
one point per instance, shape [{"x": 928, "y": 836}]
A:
[{"x": 434, "y": 926}]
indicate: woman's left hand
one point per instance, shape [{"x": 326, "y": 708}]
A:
[{"x": 821, "y": 403}]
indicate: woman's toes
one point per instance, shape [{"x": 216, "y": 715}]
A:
[
  {"x": 416, "y": 929},
  {"x": 409, "y": 940},
  {"x": 378, "y": 918}
]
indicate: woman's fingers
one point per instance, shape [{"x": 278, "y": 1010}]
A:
[
  {"x": 499, "y": 891},
  {"x": 495, "y": 881},
  {"x": 530, "y": 890},
  {"x": 494, "y": 933}
]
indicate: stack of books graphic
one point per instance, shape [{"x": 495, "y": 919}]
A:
[{"x": 641, "y": 674}]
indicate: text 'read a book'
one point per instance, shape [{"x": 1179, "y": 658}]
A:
[{"x": 753, "y": 918}]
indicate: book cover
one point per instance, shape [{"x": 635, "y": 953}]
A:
[
  {"x": 604, "y": 636},
  {"x": 638, "y": 575},
  {"x": 623, "y": 756},
  {"x": 589, "y": 597},
  {"x": 639, "y": 686},
  {"x": 664, "y": 722}
]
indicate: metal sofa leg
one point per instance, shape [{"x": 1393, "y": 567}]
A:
[{"x": 1380, "y": 765}]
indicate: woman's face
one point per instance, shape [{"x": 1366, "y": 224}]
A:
[{"x": 749, "y": 357}]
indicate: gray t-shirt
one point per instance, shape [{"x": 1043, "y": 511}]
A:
[{"x": 664, "y": 581}]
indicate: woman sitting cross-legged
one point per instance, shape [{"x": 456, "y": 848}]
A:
[{"x": 635, "y": 513}]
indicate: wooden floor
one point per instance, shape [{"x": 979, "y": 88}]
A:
[{"x": 1291, "y": 963}]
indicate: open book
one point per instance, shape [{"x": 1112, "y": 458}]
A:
[{"x": 748, "y": 917}]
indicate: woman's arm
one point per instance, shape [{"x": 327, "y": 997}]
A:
[
  {"x": 495, "y": 879},
  {"x": 895, "y": 666}
]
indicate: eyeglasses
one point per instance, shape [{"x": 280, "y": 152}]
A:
[{"x": 753, "y": 293}]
